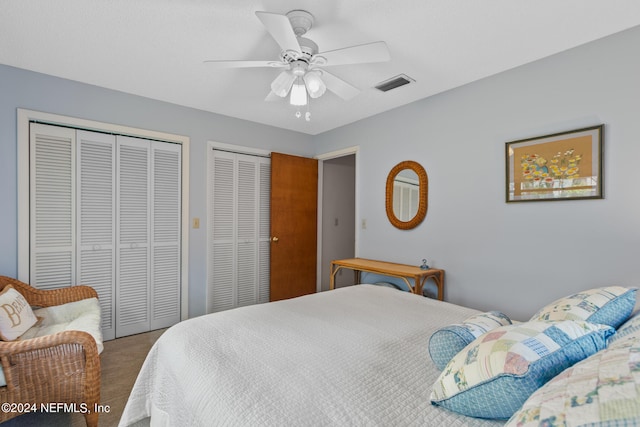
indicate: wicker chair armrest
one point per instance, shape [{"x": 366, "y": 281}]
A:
[
  {"x": 9, "y": 348},
  {"x": 49, "y": 297},
  {"x": 27, "y": 351}
]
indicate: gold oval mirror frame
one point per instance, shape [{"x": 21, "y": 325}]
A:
[{"x": 423, "y": 189}]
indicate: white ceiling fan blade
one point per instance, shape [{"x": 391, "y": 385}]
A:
[
  {"x": 272, "y": 97},
  {"x": 364, "y": 53},
  {"x": 280, "y": 29},
  {"x": 246, "y": 64},
  {"x": 338, "y": 86}
]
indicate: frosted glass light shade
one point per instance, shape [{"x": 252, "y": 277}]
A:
[
  {"x": 315, "y": 85},
  {"x": 298, "y": 93},
  {"x": 281, "y": 85}
]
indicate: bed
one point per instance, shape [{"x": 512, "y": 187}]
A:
[
  {"x": 370, "y": 355},
  {"x": 353, "y": 356}
]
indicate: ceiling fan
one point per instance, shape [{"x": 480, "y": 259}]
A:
[{"x": 304, "y": 75}]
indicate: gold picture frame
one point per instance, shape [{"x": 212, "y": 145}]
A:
[{"x": 560, "y": 166}]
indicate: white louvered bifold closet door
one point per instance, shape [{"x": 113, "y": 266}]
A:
[
  {"x": 52, "y": 206},
  {"x": 106, "y": 212},
  {"x": 221, "y": 223},
  {"x": 264, "y": 229},
  {"x": 133, "y": 240},
  {"x": 166, "y": 196},
  {"x": 238, "y": 220},
  {"x": 148, "y": 238},
  {"x": 96, "y": 228}
]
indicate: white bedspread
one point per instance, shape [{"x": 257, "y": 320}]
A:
[{"x": 356, "y": 356}]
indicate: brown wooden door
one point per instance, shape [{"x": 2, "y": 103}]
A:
[{"x": 294, "y": 213}]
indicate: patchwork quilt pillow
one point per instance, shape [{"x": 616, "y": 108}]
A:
[
  {"x": 16, "y": 315},
  {"x": 494, "y": 375},
  {"x": 629, "y": 329},
  {"x": 448, "y": 341},
  {"x": 611, "y": 305},
  {"x": 603, "y": 390}
]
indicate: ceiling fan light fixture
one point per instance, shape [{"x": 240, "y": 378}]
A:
[
  {"x": 298, "y": 93},
  {"x": 281, "y": 85},
  {"x": 303, "y": 80},
  {"x": 315, "y": 85}
]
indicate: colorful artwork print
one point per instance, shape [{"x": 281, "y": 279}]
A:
[
  {"x": 555, "y": 167},
  {"x": 552, "y": 166},
  {"x": 562, "y": 166}
]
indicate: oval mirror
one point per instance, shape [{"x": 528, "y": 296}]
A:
[{"x": 406, "y": 195}]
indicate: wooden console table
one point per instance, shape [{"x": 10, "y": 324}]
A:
[{"x": 403, "y": 271}]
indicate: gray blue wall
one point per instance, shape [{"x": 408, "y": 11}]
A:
[
  {"x": 515, "y": 257},
  {"x": 33, "y": 91}
]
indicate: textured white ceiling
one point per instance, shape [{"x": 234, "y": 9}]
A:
[{"x": 156, "y": 48}]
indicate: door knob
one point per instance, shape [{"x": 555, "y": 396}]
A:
[{"x": 274, "y": 239}]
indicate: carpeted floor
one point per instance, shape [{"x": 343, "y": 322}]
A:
[{"x": 121, "y": 361}]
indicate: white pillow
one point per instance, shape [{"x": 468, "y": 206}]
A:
[{"x": 16, "y": 315}]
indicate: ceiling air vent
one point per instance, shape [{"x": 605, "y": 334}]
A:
[{"x": 394, "y": 82}]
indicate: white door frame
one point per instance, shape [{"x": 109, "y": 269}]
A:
[{"x": 321, "y": 158}]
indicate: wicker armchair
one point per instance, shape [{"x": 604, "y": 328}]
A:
[{"x": 58, "y": 368}]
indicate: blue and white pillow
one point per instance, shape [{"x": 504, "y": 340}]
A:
[
  {"x": 611, "y": 305},
  {"x": 446, "y": 342},
  {"x": 494, "y": 375},
  {"x": 382, "y": 280}
]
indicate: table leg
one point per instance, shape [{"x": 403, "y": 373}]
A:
[
  {"x": 438, "y": 279},
  {"x": 332, "y": 279}
]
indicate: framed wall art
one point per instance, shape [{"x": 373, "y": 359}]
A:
[{"x": 562, "y": 166}]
